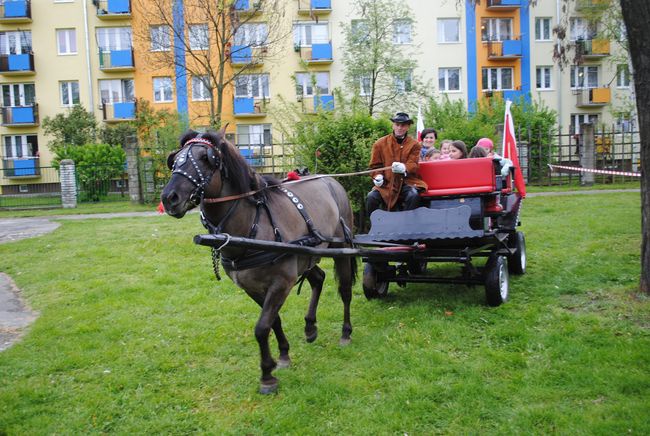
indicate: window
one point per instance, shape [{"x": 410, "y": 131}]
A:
[
  {"x": 584, "y": 76},
  {"x": 577, "y": 119},
  {"x": 448, "y": 79},
  {"x": 624, "y": 123},
  {"x": 252, "y": 85},
  {"x": 309, "y": 84},
  {"x": 360, "y": 30},
  {"x": 543, "y": 77},
  {"x": 496, "y": 29},
  {"x": 199, "y": 38},
  {"x": 253, "y": 134},
  {"x": 402, "y": 31},
  {"x": 18, "y": 94},
  {"x": 160, "y": 38},
  {"x": 542, "y": 29},
  {"x": 497, "y": 78},
  {"x": 66, "y": 41},
  {"x": 114, "y": 38},
  {"x": 404, "y": 82},
  {"x": 251, "y": 34},
  {"x": 16, "y": 42},
  {"x": 200, "y": 88},
  {"x": 623, "y": 76},
  {"x": 448, "y": 30},
  {"x": 20, "y": 146},
  {"x": 580, "y": 28},
  {"x": 306, "y": 34},
  {"x": 365, "y": 85},
  {"x": 69, "y": 93},
  {"x": 162, "y": 89},
  {"x": 116, "y": 90}
]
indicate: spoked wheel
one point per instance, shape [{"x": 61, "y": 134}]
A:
[
  {"x": 496, "y": 280},
  {"x": 373, "y": 287},
  {"x": 517, "y": 260}
]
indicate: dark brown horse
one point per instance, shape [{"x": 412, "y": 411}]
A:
[{"x": 207, "y": 171}]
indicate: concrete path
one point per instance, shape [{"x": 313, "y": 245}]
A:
[{"x": 15, "y": 315}]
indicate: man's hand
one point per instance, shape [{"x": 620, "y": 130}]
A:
[
  {"x": 378, "y": 180},
  {"x": 398, "y": 168}
]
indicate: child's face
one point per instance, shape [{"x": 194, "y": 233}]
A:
[
  {"x": 429, "y": 140},
  {"x": 444, "y": 148},
  {"x": 455, "y": 153},
  {"x": 432, "y": 156}
]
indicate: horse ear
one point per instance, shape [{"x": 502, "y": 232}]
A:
[
  {"x": 170, "y": 159},
  {"x": 223, "y": 129}
]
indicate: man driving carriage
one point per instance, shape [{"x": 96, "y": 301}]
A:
[{"x": 397, "y": 187}]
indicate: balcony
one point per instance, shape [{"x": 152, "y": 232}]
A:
[
  {"x": 118, "y": 111},
  {"x": 248, "y": 7},
  {"x": 513, "y": 95},
  {"x": 249, "y": 107},
  {"x": 503, "y": 5},
  {"x": 314, "y": 7},
  {"x": 586, "y": 5},
  {"x": 590, "y": 49},
  {"x": 247, "y": 55},
  {"x": 113, "y": 9},
  {"x": 504, "y": 50},
  {"x": 17, "y": 64},
  {"x": 313, "y": 104},
  {"x": 316, "y": 53},
  {"x": 21, "y": 167},
  {"x": 593, "y": 97},
  {"x": 16, "y": 11},
  {"x": 116, "y": 60},
  {"x": 252, "y": 154},
  {"x": 20, "y": 116}
]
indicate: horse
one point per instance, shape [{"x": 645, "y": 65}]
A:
[{"x": 209, "y": 172}]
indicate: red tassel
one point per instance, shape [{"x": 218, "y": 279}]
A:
[
  {"x": 292, "y": 175},
  {"x": 161, "y": 208}
]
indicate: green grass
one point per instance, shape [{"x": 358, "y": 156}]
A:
[
  {"x": 82, "y": 208},
  {"x": 136, "y": 336}
]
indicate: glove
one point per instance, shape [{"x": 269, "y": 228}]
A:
[
  {"x": 378, "y": 180},
  {"x": 398, "y": 168}
]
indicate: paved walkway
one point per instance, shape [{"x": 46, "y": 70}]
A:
[{"x": 15, "y": 314}]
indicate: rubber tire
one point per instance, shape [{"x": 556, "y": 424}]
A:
[
  {"x": 373, "y": 288},
  {"x": 517, "y": 260},
  {"x": 496, "y": 280},
  {"x": 417, "y": 267}
]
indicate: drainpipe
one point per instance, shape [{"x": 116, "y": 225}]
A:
[
  {"x": 91, "y": 100},
  {"x": 559, "y": 74}
]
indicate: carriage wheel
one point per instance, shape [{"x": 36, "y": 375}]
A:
[
  {"x": 517, "y": 260},
  {"x": 496, "y": 280},
  {"x": 372, "y": 286}
]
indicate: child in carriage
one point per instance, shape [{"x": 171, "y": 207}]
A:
[{"x": 488, "y": 145}]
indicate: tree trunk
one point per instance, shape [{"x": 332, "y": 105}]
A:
[{"x": 636, "y": 15}]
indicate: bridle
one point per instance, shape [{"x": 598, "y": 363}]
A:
[{"x": 201, "y": 180}]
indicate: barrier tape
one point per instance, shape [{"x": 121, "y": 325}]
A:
[{"x": 591, "y": 170}]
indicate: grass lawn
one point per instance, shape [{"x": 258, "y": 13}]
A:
[{"x": 136, "y": 336}]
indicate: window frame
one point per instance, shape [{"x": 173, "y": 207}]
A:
[
  {"x": 304, "y": 38},
  {"x": 499, "y": 78},
  {"x": 543, "y": 34},
  {"x": 303, "y": 80},
  {"x": 441, "y": 30},
  {"x": 402, "y": 31},
  {"x": 263, "y": 85},
  {"x": 193, "y": 36},
  {"x": 26, "y": 148},
  {"x": 575, "y": 76},
  {"x": 446, "y": 78},
  {"x": 70, "y": 37},
  {"x": 162, "y": 81},
  {"x": 543, "y": 69},
  {"x": 485, "y": 32},
  {"x": 157, "y": 43},
  {"x": 69, "y": 92},
  {"x": 623, "y": 76},
  {"x": 205, "y": 93}
]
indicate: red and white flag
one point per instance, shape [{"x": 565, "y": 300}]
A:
[
  {"x": 419, "y": 126},
  {"x": 510, "y": 150}
]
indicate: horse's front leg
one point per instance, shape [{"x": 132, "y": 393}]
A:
[
  {"x": 316, "y": 278},
  {"x": 275, "y": 297},
  {"x": 345, "y": 273}
]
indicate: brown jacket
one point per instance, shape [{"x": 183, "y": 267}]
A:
[{"x": 386, "y": 151}]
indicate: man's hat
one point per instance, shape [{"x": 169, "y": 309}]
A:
[{"x": 402, "y": 117}]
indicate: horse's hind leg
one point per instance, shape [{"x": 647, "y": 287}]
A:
[
  {"x": 284, "y": 361},
  {"x": 316, "y": 278},
  {"x": 345, "y": 273}
]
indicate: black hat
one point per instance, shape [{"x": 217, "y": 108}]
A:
[{"x": 402, "y": 117}]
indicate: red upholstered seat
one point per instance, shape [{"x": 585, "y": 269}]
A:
[{"x": 458, "y": 177}]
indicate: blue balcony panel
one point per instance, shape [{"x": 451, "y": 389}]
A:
[
  {"x": 321, "y": 51},
  {"x": 121, "y": 58},
  {"x": 241, "y": 54},
  {"x": 24, "y": 115},
  {"x": 19, "y": 62},
  {"x": 124, "y": 111},
  {"x": 244, "y": 105},
  {"x": 24, "y": 167},
  {"x": 511, "y": 2},
  {"x": 15, "y": 9},
  {"x": 118, "y": 6},
  {"x": 512, "y": 48},
  {"x": 249, "y": 155},
  {"x": 513, "y": 95},
  {"x": 241, "y": 5},
  {"x": 321, "y": 4},
  {"x": 325, "y": 102}
]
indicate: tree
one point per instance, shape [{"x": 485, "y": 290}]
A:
[
  {"x": 74, "y": 127},
  {"x": 379, "y": 65},
  {"x": 211, "y": 34}
]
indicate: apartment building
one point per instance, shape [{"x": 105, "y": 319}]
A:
[{"x": 106, "y": 53}]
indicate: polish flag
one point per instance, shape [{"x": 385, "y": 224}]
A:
[
  {"x": 510, "y": 150},
  {"x": 419, "y": 126}
]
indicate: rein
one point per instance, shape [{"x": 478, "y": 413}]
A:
[{"x": 306, "y": 179}]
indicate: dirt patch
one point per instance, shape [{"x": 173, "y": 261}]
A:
[{"x": 15, "y": 313}]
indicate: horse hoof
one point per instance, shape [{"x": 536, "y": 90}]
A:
[
  {"x": 311, "y": 337},
  {"x": 283, "y": 362},
  {"x": 344, "y": 341},
  {"x": 269, "y": 387}
]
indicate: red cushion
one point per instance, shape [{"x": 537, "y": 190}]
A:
[{"x": 458, "y": 177}]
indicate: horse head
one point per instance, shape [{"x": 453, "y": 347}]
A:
[{"x": 205, "y": 166}]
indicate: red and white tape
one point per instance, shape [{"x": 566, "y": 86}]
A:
[{"x": 591, "y": 170}]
